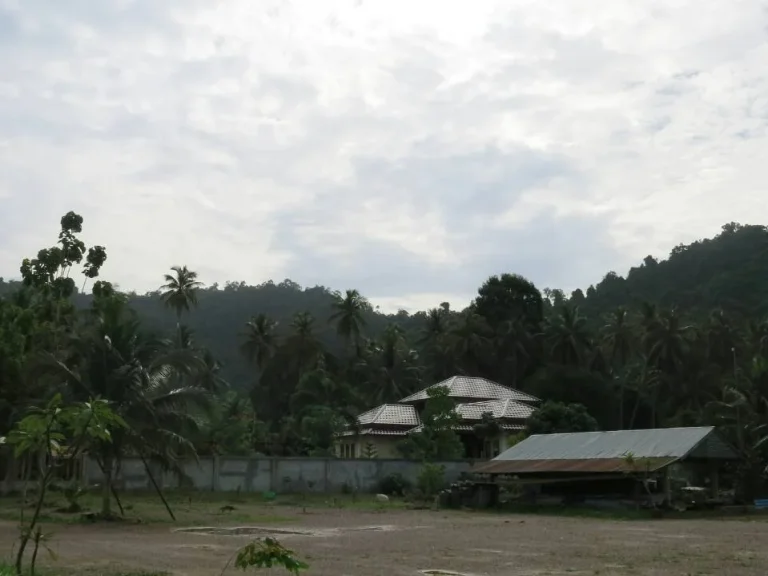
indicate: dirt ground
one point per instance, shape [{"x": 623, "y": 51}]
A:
[{"x": 411, "y": 541}]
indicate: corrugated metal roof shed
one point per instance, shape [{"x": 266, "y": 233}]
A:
[
  {"x": 475, "y": 388},
  {"x": 596, "y": 465},
  {"x": 607, "y": 451}
]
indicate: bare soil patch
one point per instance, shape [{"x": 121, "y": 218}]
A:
[
  {"x": 407, "y": 543},
  {"x": 271, "y": 531}
]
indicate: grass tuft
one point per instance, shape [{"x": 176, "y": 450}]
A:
[
  {"x": 198, "y": 508},
  {"x": 7, "y": 569}
]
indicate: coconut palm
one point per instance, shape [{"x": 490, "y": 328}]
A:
[
  {"x": 390, "y": 366},
  {"x": 434, "y": 344},
  {"x": 742, "y": 413},
  {"x": 619, "y": 341},
  {"x": 469, "y": 341},
  {"x": 158, "y": 390},
  {"x": 514, "y": 347},
  {"x": 180, "y": 292},
  {"x": 259, "y": 340},
  {"x": 348, "y": 314},
  {"x": 568, "y": 337}
]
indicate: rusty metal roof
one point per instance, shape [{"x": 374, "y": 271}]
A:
[
  {"x": 505, "y": 409},
  {"x": 601, "y": 465},
  {"x": 474, "y": 388},
  {"x": 390, "y": 415},
  {"x": 621, "y": 450}
]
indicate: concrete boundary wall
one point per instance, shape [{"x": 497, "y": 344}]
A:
[{"x": 230, "y": 474}]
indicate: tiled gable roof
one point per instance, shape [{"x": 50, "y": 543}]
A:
[
  {"x": 502, "y": 409},
  {"x": 470, "y": 428},
  {"x": 472, "y": 387},
  {"x": 390, "y": 415}
]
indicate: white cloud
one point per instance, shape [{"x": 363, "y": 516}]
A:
[{"x": 408, "y": 149}]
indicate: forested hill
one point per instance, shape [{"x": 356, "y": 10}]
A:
[
  {"x": 729, "y": 271},
  {"x": 219, "y": 319}
]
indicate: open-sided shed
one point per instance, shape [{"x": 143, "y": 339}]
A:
[
  {"x": 600, "y": 456},
  {"x": 619, "y": 451}
]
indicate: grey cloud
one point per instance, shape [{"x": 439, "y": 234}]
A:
[
  {"x": 458, "y": 187},
  {"x": 468, "y": 191},
  {"x": 478, "y": 184},
  {"x": 552, "y": 252},
  {"x": 106, "y": 16},
  {"x": 206, "y": 131}
]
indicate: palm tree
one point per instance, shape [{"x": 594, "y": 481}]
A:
[
  {"x": 435, "y": 327},
  {"x": 180, "y": 291},
  {"x": 645, "y": 380},
  {"x": 619, "y": 340},
  {"x": 469, "y": 341},
  {"x": 514, "y": 344},
  {"x": 349, "y": 317},
  {"x": 302, "y": 344},
  {"x": 433, "y": 340},
  {"x": 159, "y": 391},
  {"x": 665, "y": 341},
  {"x": 756, "y": 338},
  {"x": 391, "y": 368},
  {"x": 568, "y": 337},
  {"x": 260, "y": 340},
  {"x": 742, "y": 413},
  {"x": 722, "y": 340}
]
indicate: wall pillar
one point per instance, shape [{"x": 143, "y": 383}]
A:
[
  {"x": 273, "y": 479},
  {"x": 714, "y": 481},
  {"x": 216, "y": 470},
  {"x": 667, "y": 486}
]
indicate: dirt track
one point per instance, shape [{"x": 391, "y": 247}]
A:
[{"x": 462, "y": 542}]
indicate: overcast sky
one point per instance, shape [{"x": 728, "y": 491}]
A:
[{"x": 405, "y": 148}]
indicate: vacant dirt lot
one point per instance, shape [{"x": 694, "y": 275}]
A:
[{"x": 410, "y": 541}]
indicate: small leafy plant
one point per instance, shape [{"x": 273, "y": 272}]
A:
[
  {"x": 395, "y": 485},
  {"x": 431, "y": 480},
  {"x": 72, "y": 491},
  {"x": 55, "y": 436},
  {"x": 267, "y": 553}
]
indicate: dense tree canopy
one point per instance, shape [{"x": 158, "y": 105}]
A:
[{"x": 682, "y": 341}]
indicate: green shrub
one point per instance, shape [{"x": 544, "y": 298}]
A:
[
  {"x": 394, "y": 485},
  {"x": 431, "y": 480}
]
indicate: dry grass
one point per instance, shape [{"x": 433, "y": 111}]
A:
[
  {"x": 192, "y": 508},
  {"x": 341, "y": 541}
]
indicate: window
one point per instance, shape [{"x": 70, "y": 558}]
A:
[{"x": 348, "y": 451}]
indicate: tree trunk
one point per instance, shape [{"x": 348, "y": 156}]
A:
[
  {"x": 11, "y": 474},
  {"x": 106, "y": 492},
  {"x": 635, "y": 408},
  {"x": 621, "y": 404}
]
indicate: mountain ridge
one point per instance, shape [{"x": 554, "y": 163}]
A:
[{"x": 728, "y": 271}]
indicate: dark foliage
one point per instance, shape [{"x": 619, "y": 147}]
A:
[{"x": 676, "y": 342}]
